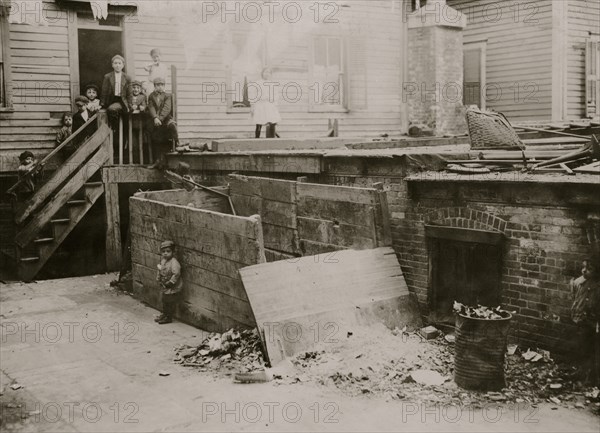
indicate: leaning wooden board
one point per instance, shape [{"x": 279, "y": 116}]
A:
[{"x": 306, "y": 302}]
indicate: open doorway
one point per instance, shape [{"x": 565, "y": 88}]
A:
[
  {"x": 465, "y": 265},
  {"x": 96, "y": 49}
]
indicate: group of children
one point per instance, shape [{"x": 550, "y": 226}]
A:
[{"x": 121, "y": 95}]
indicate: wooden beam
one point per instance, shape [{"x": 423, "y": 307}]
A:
[
  {"x": 131, "y": 174},
  {"x": 238, "y": 145},
  {"x": 262, "y": 163},
  {"x": 113, "y": 227}
]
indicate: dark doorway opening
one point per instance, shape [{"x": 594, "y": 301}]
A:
[
  {"x": 465, "y": 266},
  {"x": 96, "y": 49}
]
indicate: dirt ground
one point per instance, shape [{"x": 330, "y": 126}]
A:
[{"x": 84, "y": 357}]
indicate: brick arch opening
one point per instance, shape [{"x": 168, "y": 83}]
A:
[{"x": 467, "y": 218}]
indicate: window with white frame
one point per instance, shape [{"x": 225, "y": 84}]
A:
[
  {"x": 592, "y": 77},
  {"x": 248, "y": 57},
  {"x": 328, "y": 72},
  {"x": 474, "y": 58}
]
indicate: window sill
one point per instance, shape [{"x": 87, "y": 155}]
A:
[{"x": 327, "y": 109}]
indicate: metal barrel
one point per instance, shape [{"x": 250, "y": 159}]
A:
[{"x": 479, "y": 352}]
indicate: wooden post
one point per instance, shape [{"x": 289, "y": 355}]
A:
[
  {"x": 113, "y": 227},
  {"x": 130, "y": 139},
  {"x": 150, "y": 149},
  {"x": 174, "y": 85},
  {"x": 103, "y": 120},
  {"x": 120, "y": 140},
  {"x": 140, "y": 141}
]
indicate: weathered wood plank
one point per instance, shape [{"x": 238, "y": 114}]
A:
[
  {"x": 341, "y": 211},
  {"x": 359, "y": 287},
  {"x": 267, "y": 188},
  {"x": 263, "y": 163},
  {"x": 327, "y": 232},
  {"x": 281, "y": 238},
  {"x": 206, "y": 241},
  {"x": 382, "y": 218},
  {"x": 131, "y": 174},
  {"x": 61, "y": 174},
  {"x": 236, "y": 145},
  {"x": 274, "y": 256},
  {"x": 200, "y": 218},
  {"x": 113, "y": 227},
  {"x": 336, "y": 193},
  {"x": 43, "y": 216}
]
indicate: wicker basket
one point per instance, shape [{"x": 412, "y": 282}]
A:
[{"x": 491, "y": 130}]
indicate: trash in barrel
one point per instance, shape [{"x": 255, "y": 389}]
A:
[{"x": 480, "y": 347}]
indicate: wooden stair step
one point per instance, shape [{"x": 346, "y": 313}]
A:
[
  {"x": 29, "y": 259},
  {"x": 92, "y": 184},
  {"x": 60, "y": 221},
  {"x": 43, "y": 240},
  {"x": 76, "y": 202}
]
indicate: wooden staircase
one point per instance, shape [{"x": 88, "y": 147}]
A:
[{"x": 58, "y": 205}]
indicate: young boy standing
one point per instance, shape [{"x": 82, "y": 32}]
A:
[
  {"x": 83, "y": 114},
  {"x": 27, "y": 164},
  {"x": 160, "y": 110},
  {"x": 585, "y": 312},
  {"x": 66, "y": 130},
  {"x": 155, "y": 70},
  {"x": 169, "y": 278},
  {"x": 91, "y": 92}
]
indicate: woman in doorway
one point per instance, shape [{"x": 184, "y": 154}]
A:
[{"x": 264, "y": 111}]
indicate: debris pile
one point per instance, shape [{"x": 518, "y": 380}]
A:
[
  {"x": 481, "y": 312},
  {"x": 406, "y": 366},
  {"x": 234, "y": 349}
]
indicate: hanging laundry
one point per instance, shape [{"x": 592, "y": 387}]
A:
[{"x": 99, "y": 9}]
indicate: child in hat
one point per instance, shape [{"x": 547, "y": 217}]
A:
[
  {"x": 27, "y": 175},
  {"x": 156, "y": 69},
  {"x": 83, "y": 114},
  {"x": 91, "y": 92},
  {"x": 169, "y": 278},
  {"x": 160, "y": 109},
  {"x": 137, "y": 100}
]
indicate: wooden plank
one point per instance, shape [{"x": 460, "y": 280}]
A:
[
  {"x": 359, "y": 288},
  {"x": 274, "y": 256},
  {"x": 236, "y": 145},
  {"x": 202, "y": 240},
  {"x": 131, "y": 174},
  {"x": 267, "y": 188},
  {"x": 336, "y": 193},
  {"x": 262, "y": 163},
  {"x": 341, "y": 211},
  {"x": 593, "y": 168},
  {"x": 345, "y": 235},
  {"x": 43, "y": 216},
  {"x": 241, "y": 226},
  {"x": 281, "y": 238},
  {"x": 247, "y": 205},
  {"x": 382, "y": 218},
  {"x": 313, "y": 248},
  {"x": 113, "y": 227},
  {"x": 70, "y": 167}
]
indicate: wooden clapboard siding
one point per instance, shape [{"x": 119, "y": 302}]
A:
[
  {"x": 584, "y": 17},
  {"x": 518, "y": 54},
  {"x": 374, "y": 70},
  {"x": 41, "y": 86}
]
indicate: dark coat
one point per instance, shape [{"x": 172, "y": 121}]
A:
[
  {"x": 78, "y": 121},
  {"x": 161, "y": 109},
  {"x": 108, "y": 89}
]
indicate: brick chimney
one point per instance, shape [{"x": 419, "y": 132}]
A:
[{"x": 433, "y": 90}]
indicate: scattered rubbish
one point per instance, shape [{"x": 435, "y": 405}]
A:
[
  {"x": 450, "y": 338},
  {"x": 427, "y": 377},
  {"x": 511, "y": 349},
  {"x": 532, "y": 356},
  {"x": 164, "y": 373},
  {"x": 593, "y": 393},
  {"x": 15, "y": 386},
  {"x": 496, "y": 396},
  {"x": 254, "y": 377},
  {"x": 232, "y": 349},
  {"x": 429, "y": 332},
  {"x": 481, "y": 312},
  {"x": 555, "y": 386},
  {"x": 554, "y": 400}
]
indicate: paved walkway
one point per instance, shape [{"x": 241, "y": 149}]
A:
[{"x": 88, "y": 360}]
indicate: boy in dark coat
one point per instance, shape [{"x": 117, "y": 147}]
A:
[
  {"x": 83, "y": 114},
  {"x": 160, "y": 110},
  {"x": 115, "y": 89}
]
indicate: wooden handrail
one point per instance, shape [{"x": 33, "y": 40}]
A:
[{"x": 47, "y": 158}]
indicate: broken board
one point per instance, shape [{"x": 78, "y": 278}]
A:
[{"x": 304, "y": 303}]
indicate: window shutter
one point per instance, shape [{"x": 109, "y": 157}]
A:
[
  {"x": 472, "y": 77},
  {"x": 355, "y": 78},
  {"x": 592, "y": 78}
]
